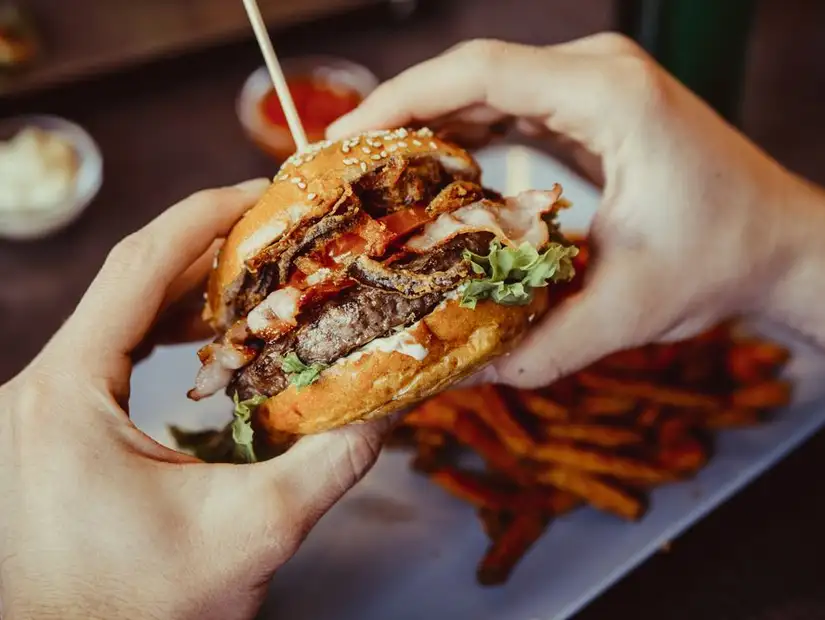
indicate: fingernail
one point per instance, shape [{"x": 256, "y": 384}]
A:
[{"x": 255, "y": 187}]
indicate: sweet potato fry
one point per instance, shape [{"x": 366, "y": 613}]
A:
[
  {"x": 475, "y": 435},
  {"x": 494, "y": 522},
  {"x": 673, "y": 431},
  {"x": 543, "y": 407},
  {"x": 753, "y": 361},
  {"x": 598, "y": 462},
  {"x": 598, "y": 493},
  {"x": 648, "y": 391},
  {"x": 597, "y": 405},
  {"x": 472, "y": 488},
  {"x": 434, "y": 413},
  {"x": 684, "y": 457},
  {"x": 634, "y": 360},
  {"x": 506, "y": 551},
  {"x": 427, "y": 458},
  {"x": 486, "y": 402},
  {"x": 765, "y": 395},
  {"x": 649, "y": 416},
  {"x": 595, "y": 434},
  {"x": 731, "y": 418},
  {"x": 604, "y": 436}
]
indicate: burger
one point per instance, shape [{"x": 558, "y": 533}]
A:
[{"x": 375, "y": 271}]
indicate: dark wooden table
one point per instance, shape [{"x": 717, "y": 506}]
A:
[{"x": 170, "y": 129}]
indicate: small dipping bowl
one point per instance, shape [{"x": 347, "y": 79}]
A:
[
  {"x": 323, "y": 88},
  {"x": 42, "y": 222}
]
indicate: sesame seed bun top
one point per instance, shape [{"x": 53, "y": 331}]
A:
[{"x": 308, "y": 186}]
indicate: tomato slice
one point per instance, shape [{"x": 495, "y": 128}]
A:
[
  {"x": 405, "y": 221},
  {"x": 347, "y": 243}
]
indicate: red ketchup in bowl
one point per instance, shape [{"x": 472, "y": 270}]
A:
[{"x": 317, "y": 102}]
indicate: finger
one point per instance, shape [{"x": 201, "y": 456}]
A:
[
  {"x": 519, "y": 80},
  {"x": 617, "y": 309},
  {"x": 194, "y": 278},
  {"x": 124, "y": 299},
  {"x": 602, "y": 44},
  {"x": 181, "y": 316},
  {"x": 182, "y": 326},
  {"x": 306, "y": 481}
]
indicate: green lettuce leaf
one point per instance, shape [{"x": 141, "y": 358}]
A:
[
  {"x": 509, "y": 276},
  {"x": 300, "y": 374},
  {"x": 242, "y": 432}
]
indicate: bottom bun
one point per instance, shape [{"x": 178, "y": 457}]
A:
[{"x": 452, "y": 342}]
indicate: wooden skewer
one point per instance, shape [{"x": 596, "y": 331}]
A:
[{"x": 276, "y": 74}]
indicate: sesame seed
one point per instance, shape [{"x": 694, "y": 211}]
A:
[
  {"x": 416, "y": 143},
  {"x": 403, "y": 145},
  {"x": 402, "y": 133},
  {"x": 312, "y": 196},
  {"x": 364, "y": 166},
  {"x": 345, "y": 148},
  {"x": 433, "y": 145},
  {"x": 375, "y": 157},
  {"x": 296, "y": 180},
  {"x": 302, "y": 185},
  {"x": 366, "y": 150},
  {"x": 349, "y": 161},
  {"x": 425, "y": 132},
  {"x": 383, "y": 153},
  {"x": 392, "y": 148}
]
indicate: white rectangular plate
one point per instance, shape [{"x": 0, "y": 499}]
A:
[{"x": 399, "y": 548}]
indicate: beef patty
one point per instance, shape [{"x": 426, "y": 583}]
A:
[{"x": 349, "y": 321}]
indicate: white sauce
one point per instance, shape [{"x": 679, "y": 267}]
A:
[
  {"x": 450, "y": 296},
  {"x": 282, "y": 305},
  {"x": 402, "y": 342},
  {"x": 38, "y": 171}
]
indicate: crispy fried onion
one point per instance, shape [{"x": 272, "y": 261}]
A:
[
  {"x": 408, "y": 283},
  {"x": 456, "y": 195}
]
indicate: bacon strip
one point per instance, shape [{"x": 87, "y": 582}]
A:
[{"x": 519, "y": 220}]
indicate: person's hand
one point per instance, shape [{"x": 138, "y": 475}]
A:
[
  {"x": 100, "y": 521},
  {"x": 696, "y": 223}
]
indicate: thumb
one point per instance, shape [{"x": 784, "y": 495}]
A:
[
  {"x": 316, "y": 472},
  {"x": 615, "y": 310},
  {"x": 293, "y": 491}
]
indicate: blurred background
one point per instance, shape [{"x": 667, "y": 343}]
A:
[{"x": 146, "y": 102}]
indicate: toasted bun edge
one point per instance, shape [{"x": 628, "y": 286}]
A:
[{"x": 459, "y": 341}]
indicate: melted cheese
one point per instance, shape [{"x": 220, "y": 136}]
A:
[
  {"x": 282, "y": 305},
  {"x": 518, "y": 221}
]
